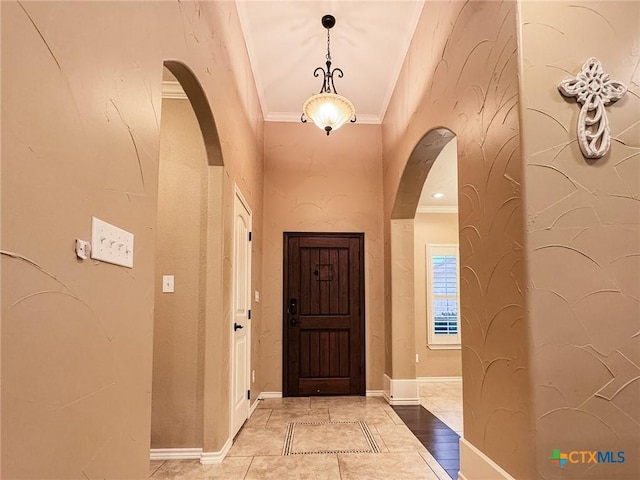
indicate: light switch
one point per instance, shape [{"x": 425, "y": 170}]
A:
[
  {"x": 257, "y": 296},
  {"x": 167, "y": 284},
  {"x": 111, "y": 244}
]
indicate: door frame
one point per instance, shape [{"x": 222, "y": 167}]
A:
[
  {"x": 238, "y": 195},
  {"x": 285, "y": 287}
]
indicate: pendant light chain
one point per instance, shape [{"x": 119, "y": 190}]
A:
[{"x": 328, "y": 76}]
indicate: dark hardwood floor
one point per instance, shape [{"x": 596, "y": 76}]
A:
[{"x": 440, "y": 440}]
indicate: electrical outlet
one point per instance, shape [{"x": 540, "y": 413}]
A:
[
  {"x": 111, "y": 244},
  {"x": 83, "y": 249}
]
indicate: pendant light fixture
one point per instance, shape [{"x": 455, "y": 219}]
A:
[{"x": 328, "y": 110}]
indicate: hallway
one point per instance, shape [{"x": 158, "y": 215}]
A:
[
  {"x": 111, "y": 356},
  {"x": 332, "y": 438}
]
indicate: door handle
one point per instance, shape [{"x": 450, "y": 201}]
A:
[
  {"x": 236, "y": 326},
  {"x": 293, "y": 306}
]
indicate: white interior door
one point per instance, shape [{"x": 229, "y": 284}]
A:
[{"x": 241, "y": 328}]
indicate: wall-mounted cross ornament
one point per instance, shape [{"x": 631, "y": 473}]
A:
[{"x": 594, "y": 90}]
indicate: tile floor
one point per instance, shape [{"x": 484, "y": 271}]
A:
[
  {"x": 444, "y": 400},
  {"x": 257, "y": 453}
]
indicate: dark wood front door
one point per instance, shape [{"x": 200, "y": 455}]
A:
[{"x": 323, "y": 314}]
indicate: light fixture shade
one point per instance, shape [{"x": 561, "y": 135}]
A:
[{"x": 329, "y": 111}]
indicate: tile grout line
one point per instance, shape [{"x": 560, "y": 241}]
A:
[
  {"x": 248, "y": 468},
  {"x": 158, "y": 468},
  {"x": 382, "y": 439},
  {"x": 432, "y": 470},
  {"x": 268, "y": 417},
  {"x": 438, "y": 475}
]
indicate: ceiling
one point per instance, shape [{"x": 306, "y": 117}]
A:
[
  {"x": 442, "y": 178},
  {"x": 286, "y": 42}
]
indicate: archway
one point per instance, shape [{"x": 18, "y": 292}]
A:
[
  {"x": 201, "y": 108},
  {"x": 189, "y": 377},
  {"x": 425, "y": 310}
]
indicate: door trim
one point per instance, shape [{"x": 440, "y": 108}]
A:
[{"x": 284, "y": 316}]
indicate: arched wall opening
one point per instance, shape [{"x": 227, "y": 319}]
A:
[
  {"x": 401, "y": 386},
  {"x": 190, "y": 386},
  {"x": 437, "y": 282},
  {"x": 191, "y": 87},
  {"x": 467, "y": 80}
]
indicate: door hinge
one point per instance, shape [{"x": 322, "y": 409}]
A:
[
  {"x": 250, "y": 236},
  {"x": 248, "y": 394},
  {"x": 249, "y": 314}
]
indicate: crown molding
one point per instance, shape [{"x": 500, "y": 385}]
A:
[
  {"x": 172, "y": 89},
  {"x": 365, "y": 119},
  {"x": 437, "y": 209}
]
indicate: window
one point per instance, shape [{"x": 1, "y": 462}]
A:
[{"x": 443, "y": 297}]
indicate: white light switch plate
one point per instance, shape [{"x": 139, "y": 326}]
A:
[
  {"x": 111, "y": 244},
  {"x": 167, "y": 284}
]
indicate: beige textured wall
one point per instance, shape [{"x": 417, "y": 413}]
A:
[
  {"x": 80, "y": 117},
  {"x": 461, "y": 73},
  {"x": 583, "y": 238},
  {"x": 402, "y": 338},
  {"x": 431, "y": 228},
  {"x": 315, "y": 183},
  {"x": 181, "y": 242}
]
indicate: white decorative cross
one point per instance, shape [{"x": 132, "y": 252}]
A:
[{"x": 594, "y": 90}]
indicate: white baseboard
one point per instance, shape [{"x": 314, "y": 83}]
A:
[
  {"x": 253, "y": 407},
  {"x": 475, "y": 465},
  {"x": 438, "y": 379},
  {"x": 401, "y": 391},
  {"x": 209, "y": 458},
  {"x": 206, "y": 458},
  {"x": 175, "y": 453},
  {"x": 375, "y": 393},
  {"x": 270, "y": 395},
  {"x": 263, "y": 395},
  {"x": 386, "y": 387}
]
